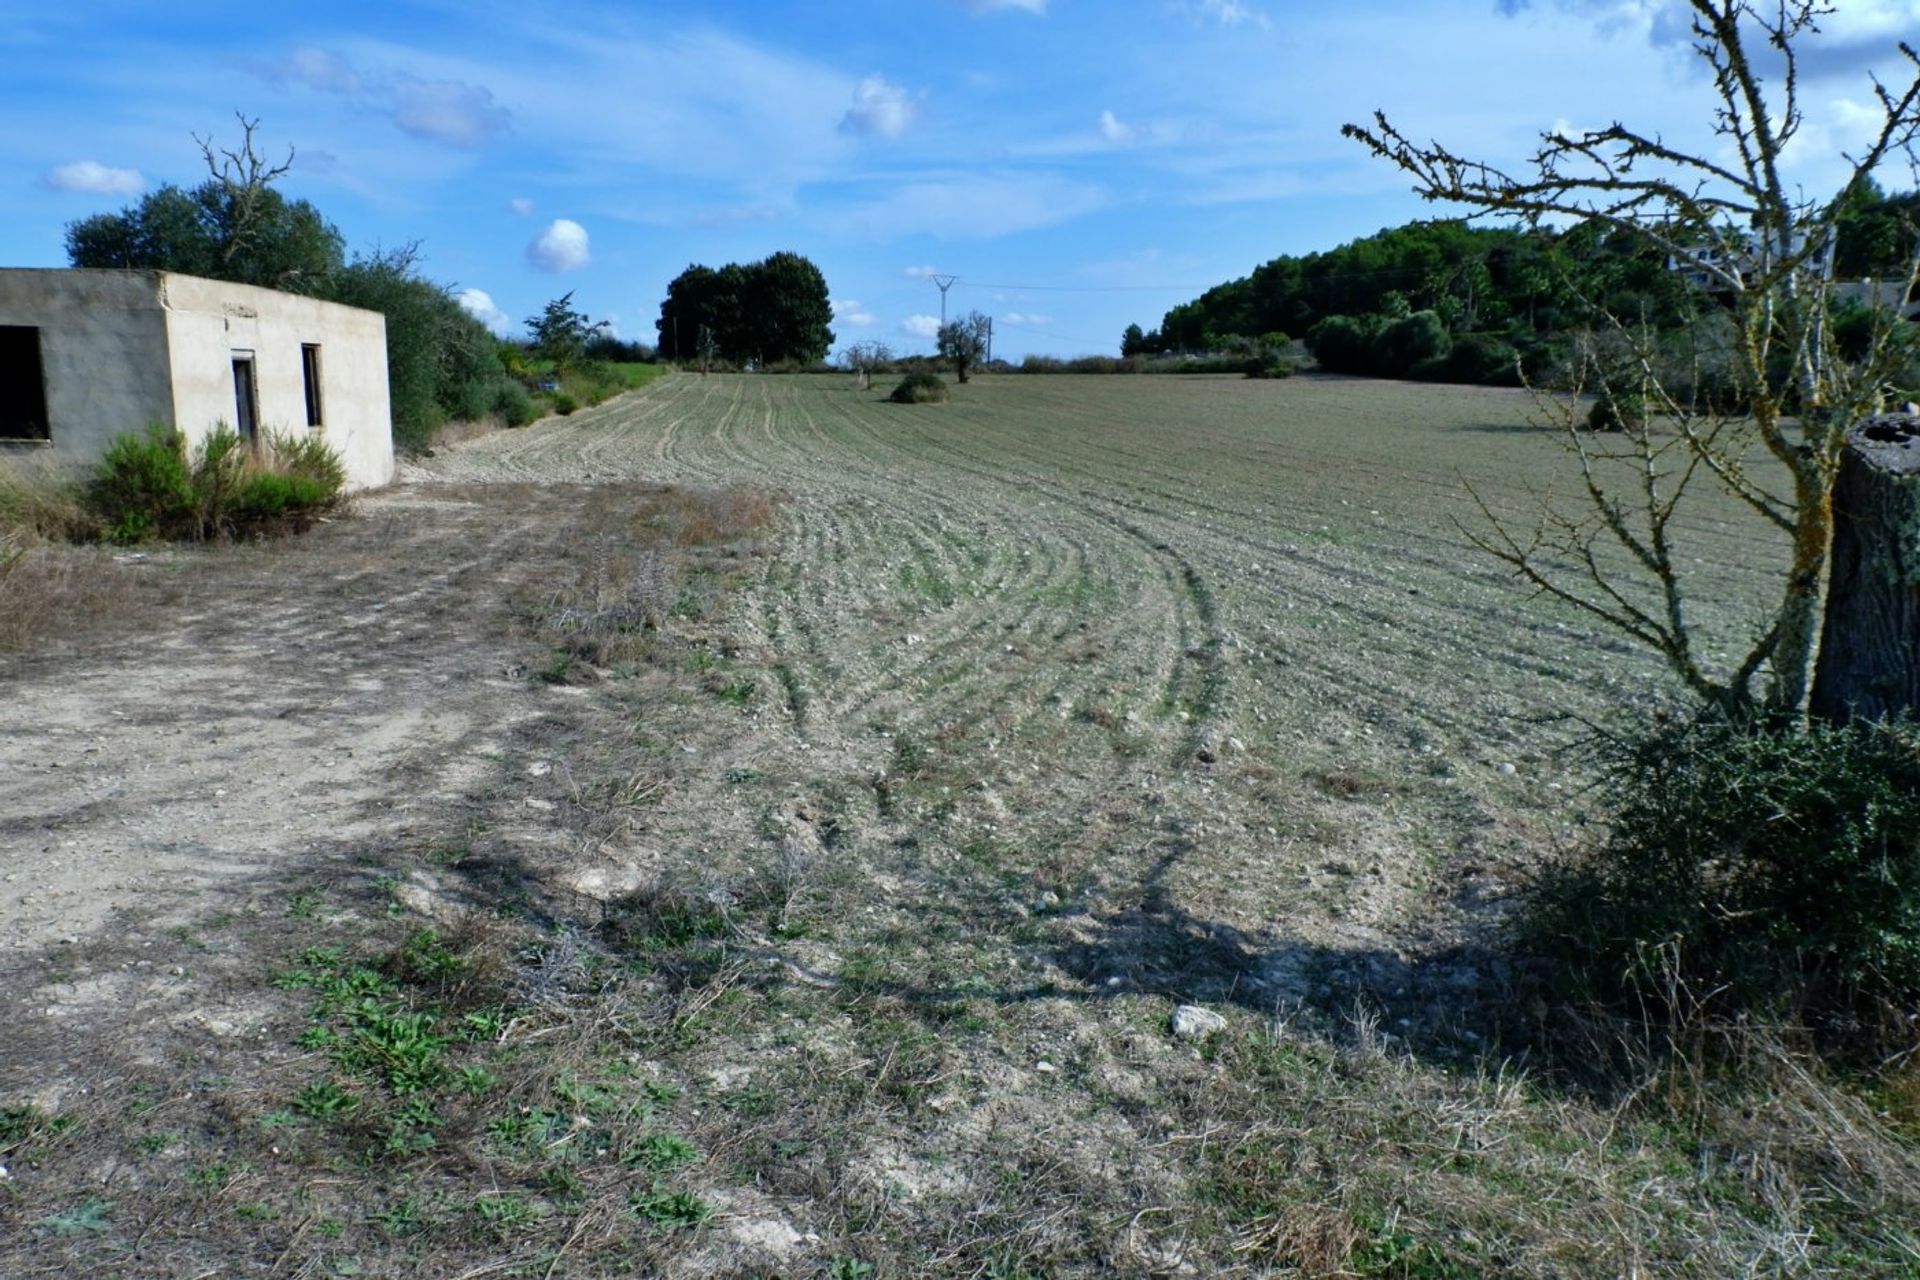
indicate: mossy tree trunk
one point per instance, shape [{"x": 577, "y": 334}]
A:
[{"x": 1869, "y": 666}]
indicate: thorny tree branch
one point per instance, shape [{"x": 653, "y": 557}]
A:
[{"x": 1766, "y": 251}]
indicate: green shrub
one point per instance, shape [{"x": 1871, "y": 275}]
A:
[
  {"x": 1772, "y": 872},
  {"x": 1344, "y": 344},
  {"x": 142, "y": 487},
  {"x": 513, "y": 405},
  {"x": 921, "y": 388},
  {"x": 1480, "y": 359},
  {"x": 146, "y": 487},
  {"x": 1410, "y": 341},
  {"x": 564, "y": 403}
]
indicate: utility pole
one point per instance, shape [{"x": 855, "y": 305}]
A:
[
  {"x": 945, "y": 283},
  {"x": 989, "y": 340}
]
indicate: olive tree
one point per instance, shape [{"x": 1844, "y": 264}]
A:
[
  {"x": 964, "y": 342},
  {"x": 1760, "y": 252}
]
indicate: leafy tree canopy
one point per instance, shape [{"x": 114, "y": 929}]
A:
[
  {"x": 271, "y": 241},
  {"x": 765, "y": 312}
]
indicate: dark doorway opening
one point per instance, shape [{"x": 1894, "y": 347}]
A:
[
  {"x": 23, "y": 385},
  {"x": 246, "y": 397}
]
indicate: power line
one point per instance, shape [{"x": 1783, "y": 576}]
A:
[{"x": 1087, "y": 288}]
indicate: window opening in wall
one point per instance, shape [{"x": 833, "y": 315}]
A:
[
  {"x": 246, "y": 397},
  {"x": 310, "y": 374},
  {"x": 23, "y": 385}
]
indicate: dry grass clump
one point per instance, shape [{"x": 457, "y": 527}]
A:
[
  {"x": 47, "y": 585},
  {"x": 656, "y": 553},
  {"x": 697, "y": 517},
  {"x": 46, "y": 589},
  {"x": 40, "y": 501}
]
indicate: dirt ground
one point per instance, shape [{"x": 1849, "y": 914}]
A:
[{"x": 1033, "y": 717}]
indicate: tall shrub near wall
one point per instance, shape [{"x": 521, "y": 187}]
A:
[{"x": 441, "y": 362}]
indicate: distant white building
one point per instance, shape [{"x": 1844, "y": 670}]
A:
[
  {"x": 1890, "y": 295},
  {"x": 86, "y": 355}
]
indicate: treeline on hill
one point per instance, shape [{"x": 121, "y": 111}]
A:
[
  {"x": 1448, "y": 302},
  {"x": 765, "y": 314},
  {"x": 442, "y": 364}
]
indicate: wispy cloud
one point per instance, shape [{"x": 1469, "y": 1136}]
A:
[
  {"x": 922, "y": 273},
  {"x": 977, "y": 206},
  {"x": 1224, "y": 13},
  {"x": 562, "y": 246},
  {"x": 447, "y": 111},
  {"x": 94, "y": 178},
  {"x": 440, "y": 110},
  {"x": 881, "y": 109},
  {"x": 1114, "y": 130},
  {"x": 921, "y": 326},
  {"x": 988, "y": 6},
  {"x": 520, "y": 206},
  {"x": 1025, "y": 318}
]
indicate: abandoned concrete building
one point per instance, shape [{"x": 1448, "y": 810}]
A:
[{"x": 86, "y": 355}]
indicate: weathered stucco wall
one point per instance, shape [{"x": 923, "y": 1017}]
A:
[
  {"x": 121, "y": 349},
  {"x": 209, "y": 322},
  {"x": 103, "y": 351}
]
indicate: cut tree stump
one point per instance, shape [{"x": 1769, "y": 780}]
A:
[{"x": 1869, "y": 666}]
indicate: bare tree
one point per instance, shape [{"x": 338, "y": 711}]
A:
[
  {"x": 1763, "y": 254},
  {"x": 244, "y": 178},
  {"x": 864, "y": 358}
]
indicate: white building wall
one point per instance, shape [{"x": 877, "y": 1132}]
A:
[{"x": 210, "y": 322}]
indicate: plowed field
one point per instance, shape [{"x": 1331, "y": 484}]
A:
[{"x": 833, "y": 921}]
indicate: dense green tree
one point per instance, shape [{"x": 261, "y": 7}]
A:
[
  {"x": 788, "y": 314},
  {"x": 765, "y": 312},
  {"x": 270, "y": 240},
  {"x": 1133, "y": 342},
  {"x": 1877, "y": 232},
  {"x": 699, "y": 301},
  {"x": 560, "y": 334}
]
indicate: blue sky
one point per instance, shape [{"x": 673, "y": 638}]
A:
[{"x": 1078, "y": 164}]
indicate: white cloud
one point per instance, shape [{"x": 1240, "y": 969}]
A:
[
  {"x": 923, "y": 273},
  {"x": 447, "y": 111},
  {"x": 880, "y": 109},
  {"x": 1025, "y": 318},
  {"x": 93, "y": 177},
  {"x": 921, "y": 326},
  {"x": 1225, "y": 13},
  {"x": 988, "y": 6},
  {"x": 521, "y": 206},
  {"x": 561, "y": 247},
  {"x": 1113, "y": 130},
  {"x": 480, "y": 305},
  {"x": 848, "y": 312}
]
